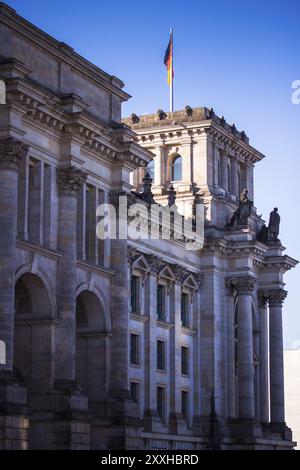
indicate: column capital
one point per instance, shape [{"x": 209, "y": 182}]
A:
[
  {"x": 276, "y": 297},
  {"x": 70, "y": 179},
  {"x": 241, "y": 284},
  {"x": 12, "y": 151},
  {"x": 262, "y": 298}
]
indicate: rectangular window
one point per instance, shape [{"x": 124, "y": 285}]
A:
[
  {"x": 185, "y": 360},
  {"x": 134, "y": 349},
  {"x": 185, "y": 405},
  {"x": 161, "y": 303},
  {"x": 161, "y": 355},
  {"x": 185, "y": 317},
  {"x": 161, "y": 403},
  {"x": 134, "y": 299},
  {"x": 135, "y": 391}
]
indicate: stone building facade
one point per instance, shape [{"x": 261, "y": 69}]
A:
[{"x": 125, "y": 343}]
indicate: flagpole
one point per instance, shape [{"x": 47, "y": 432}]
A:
[{"x": 171, "y": 85}]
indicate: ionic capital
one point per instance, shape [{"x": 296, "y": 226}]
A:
[{"x": 12, "y": 151}]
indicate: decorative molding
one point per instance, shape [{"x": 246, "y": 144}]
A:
[
  {"x": 12, "y": 151},
  {"x": 241, "y": 284},
  {"x": 276, "y": 297},
  {"x": 262, "y": 299},
  {"x": 70, "y": 180}
]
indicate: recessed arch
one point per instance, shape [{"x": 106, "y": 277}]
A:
[
  {"x": 176, "y": 167},
  {"x": 29, "y": 268}
]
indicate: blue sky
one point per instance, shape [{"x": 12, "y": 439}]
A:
[{"x": 238, "y": 57}]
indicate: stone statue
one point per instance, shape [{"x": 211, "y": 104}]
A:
[
  {"x": 240, "y": 216},
  {"x": 171, "y": 196},
  {"x": 147, "y": 194},
  {"x": 273, "y": 227}
]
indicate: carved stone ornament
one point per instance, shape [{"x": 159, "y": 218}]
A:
[
  {"x": 188, "y": 111},
  {"x": 156, "y": 265},
  {"x": 131, "y": 255},
  {"x": 180, "y": 274},
  {"x": 262, "y": 299},
  {"x": 276, "y": 297},
  {"x": 12, "y": 151},
  {"x": 241, "y": 284},
  {"x": 70, "y": 180},
  {"x": 134, "y": 118}
]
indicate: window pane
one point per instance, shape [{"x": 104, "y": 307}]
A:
[
  {"x": 134, "y": 391},
  {"x": 185, "y": 404},
  {"x": 134, "y": 349},
  {"x": 161, "y": 355},
  {"x": 134, "y": 294},
  {"x": 177, "y": 168},
  {"x": 161, "y": 302},
  {"x": 185, "y": 310},
  {"x": 184, "y": 360},
  {"x": 161, "y": 403}
]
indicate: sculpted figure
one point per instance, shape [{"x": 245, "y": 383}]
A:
[{"x": 274, "y": 222}]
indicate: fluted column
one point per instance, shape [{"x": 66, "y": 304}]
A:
[
  {"x": 224, "y": 171},
  {"x": 234, "y": 177},
  {"x": 69, "y": 180},
  {"x": 150, "y": 358},
  {"x": 230, "y": 343},
  {"x": 12, "y": 151},
  {"x": 276, "y": 298},
  {"x": 244, "y": 286},
  {"x": 263, "y": 358}
]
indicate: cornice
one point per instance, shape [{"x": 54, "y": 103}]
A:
[{"x": 61, "y": 52}]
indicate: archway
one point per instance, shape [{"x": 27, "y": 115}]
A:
[
  {"x": 34, "y": 351},
  {"x": 92, "y": 357}
]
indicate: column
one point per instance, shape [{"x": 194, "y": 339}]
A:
[
  {"x": 224, "y": 172},
  {"x": 276, "y": 298},
  {"x": 158, "y": 166},
  {"x": 263, "y": 358},
  {"x": 249, "y": 180},
  {"x": 23, "y": 190},
  {"x": 69, "y": 180},
  {"x": 150, "y": 411},
  {"x": 234, "y": 176},
  {"x": 12, "y": 151},
  {"x": 216, "y": 176},
  {"x": 14, "y": 423},
  {"x": 244, "y": 287},
  {"x": 175, "y": 353},
  {"x": 230, "y": 342},
  {"x": 36, "y": 202}
]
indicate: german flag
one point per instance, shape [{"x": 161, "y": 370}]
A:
[{"x": 168, "y": 60}]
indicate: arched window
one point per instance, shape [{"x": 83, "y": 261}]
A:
[
  {"x": 150, "y": 169},
  {"x": 176, "y": 168}
]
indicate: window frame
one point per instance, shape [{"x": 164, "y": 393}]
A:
[
  {"x": 138, "y": 336},
  {"x": 173, "y": 160},
  {"x": 185, "y": 360}
]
